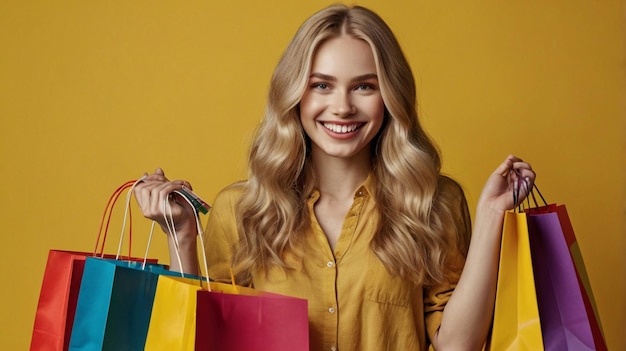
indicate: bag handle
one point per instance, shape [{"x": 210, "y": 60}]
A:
[
  {"x": 106, "y": 217},
  {"x": 532, "y": 193},
  {"x": 198, "y": 205},
  {"x": 517, "y": 188},
  {"x": 127, "y": 213}
]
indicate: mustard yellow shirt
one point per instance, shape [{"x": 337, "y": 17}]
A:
[{"x": 354, "y": 303}]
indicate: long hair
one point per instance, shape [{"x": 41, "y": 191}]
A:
[{"x": 413, "y": 233}]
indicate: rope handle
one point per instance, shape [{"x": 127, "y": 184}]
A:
[
  {"x": 106, "y": 217},
  {"x": 198, "y": 205},
  {"x": 106, "y": 220}
]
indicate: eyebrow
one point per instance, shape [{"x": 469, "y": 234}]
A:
[{"x": 334, "y": 79}]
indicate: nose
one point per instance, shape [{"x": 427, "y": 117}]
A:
[{"x": 342, "y": 105}]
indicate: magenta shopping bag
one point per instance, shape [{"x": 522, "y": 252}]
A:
[{"x": 235, "y": 322}]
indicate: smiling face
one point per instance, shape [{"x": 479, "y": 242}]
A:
[{"x": 342, "y": 108}]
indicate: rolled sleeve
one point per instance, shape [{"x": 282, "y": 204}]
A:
[{"x": 437, "y": 296}]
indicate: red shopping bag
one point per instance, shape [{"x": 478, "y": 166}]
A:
[
  {"x": 235, "y": 322},
  {"x": 54, "y": 316}
]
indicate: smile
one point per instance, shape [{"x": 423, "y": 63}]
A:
[{"x": 345, "y": 128}]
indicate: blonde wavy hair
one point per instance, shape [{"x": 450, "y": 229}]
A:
[{"x": 413, "y": 236}]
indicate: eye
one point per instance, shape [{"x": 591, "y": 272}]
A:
[
  {"x": 366, "y": 87},
  {"x": 320, "y": 86}
]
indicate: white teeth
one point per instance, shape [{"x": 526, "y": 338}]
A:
[{"x": 341, "y": 128}]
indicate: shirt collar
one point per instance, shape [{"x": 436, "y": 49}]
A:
[{"x": 367, "y": 188}]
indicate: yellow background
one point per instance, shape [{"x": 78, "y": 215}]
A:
[{"x": 94, "y": 93}]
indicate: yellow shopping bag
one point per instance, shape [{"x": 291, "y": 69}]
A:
[
  {"x": 173, "y": 320},
  {"x": 516, "y": 324}
]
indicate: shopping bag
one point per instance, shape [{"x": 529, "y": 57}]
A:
[
  {"x": 564, "y": 322},
  {"x": 116, "y": 297},
  {"x": 116, "y": 302},
  {"x": 565, "y": 294},
  {"x": 114, "y": 306},
  {"x": 173, "y": 321},
  {"x": 57, "y": 300},
  {"x": 54, "y": 315},
  {"x": 583, "y": 277},
  {"x": 516, "y": 324},
  {"x": 256, "y": 322}
]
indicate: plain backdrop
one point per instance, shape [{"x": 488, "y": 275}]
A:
[{"x": 95, "y": 93}]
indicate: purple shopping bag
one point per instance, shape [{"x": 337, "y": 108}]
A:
[{"x": 564, "y": 321}]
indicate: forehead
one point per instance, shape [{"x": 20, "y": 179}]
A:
[{"x": 343, "y": 55}]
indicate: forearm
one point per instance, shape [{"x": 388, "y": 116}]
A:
[{"x": 467, "y": 316}]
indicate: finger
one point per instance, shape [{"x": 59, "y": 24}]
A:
[
  {"x": 520, "y": 164},
  {"x": 525, "y": 177},
  {"x": 160, "y": 194},
  {"x": 150, "y": 197},
  {"x": 155, "y": 177},
  {"x": 511, "y": 162},
  {"x": 186, "y": 184},
  {"x": 523, "y": 170},
  {"x": 504, "y": 168}
]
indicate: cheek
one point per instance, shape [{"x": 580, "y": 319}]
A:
[
  {"x": 309, "y": 109},
  {"x": 378, "y": 111}
]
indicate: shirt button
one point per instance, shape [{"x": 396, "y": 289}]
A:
[
  {"x": 331, "y": 310},
  {"x": 333, "y": 348},
  {"x": 360, "y": 193},
  {"x": 330, "y": 264}
]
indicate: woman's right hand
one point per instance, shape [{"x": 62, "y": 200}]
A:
[{"x": 151, "y": 194}]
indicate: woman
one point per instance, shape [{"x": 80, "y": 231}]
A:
[{"x": 345, "y": 204}]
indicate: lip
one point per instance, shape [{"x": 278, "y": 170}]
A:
[{"x": 333, "y": 129}]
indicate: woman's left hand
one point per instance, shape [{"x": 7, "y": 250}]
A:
[{"x": 512, "y": 174}]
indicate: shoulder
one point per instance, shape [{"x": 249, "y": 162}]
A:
[
  {"x": 225, "y": 202},
  {"x": 450, "y": 195},
  {"x": 229, "y": 196},
  {"x": 449, "y": 189},
  {"x": 222, "y": 217},
  {"x": 452, "y": 205}
]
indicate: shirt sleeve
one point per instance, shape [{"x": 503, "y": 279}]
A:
[
  {"x": 436, "y": 296},
  {"x": 220, "y": 235}
]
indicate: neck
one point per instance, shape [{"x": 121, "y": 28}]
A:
[{"x": 340, "y": 177}]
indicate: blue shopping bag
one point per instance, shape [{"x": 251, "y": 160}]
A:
[{"x": 114, "y": 305}]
